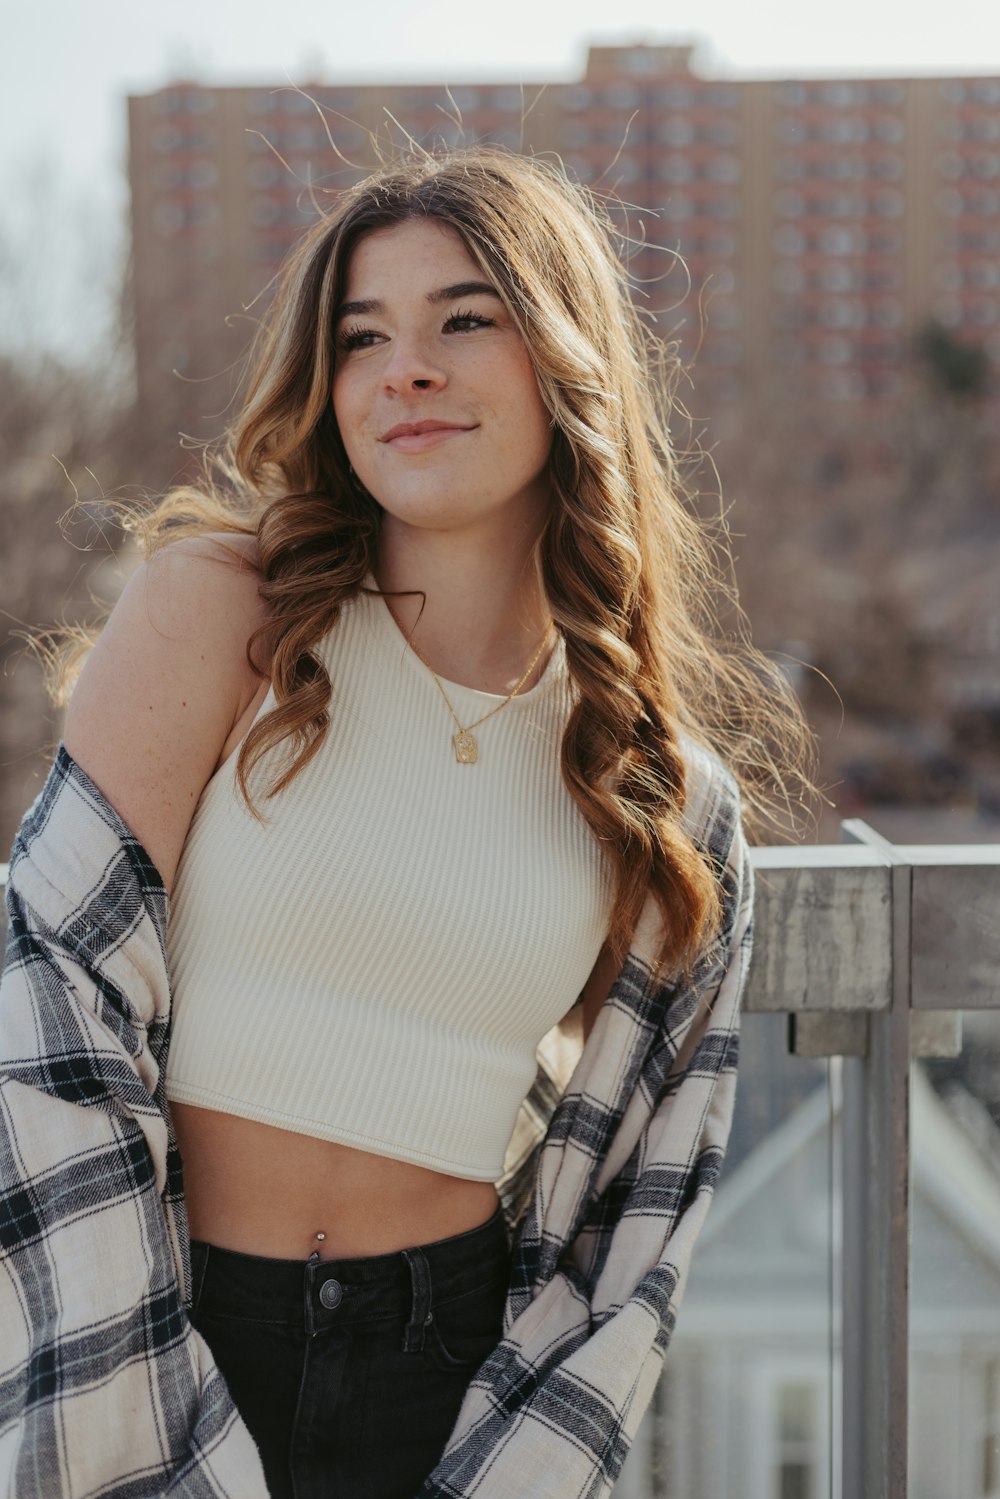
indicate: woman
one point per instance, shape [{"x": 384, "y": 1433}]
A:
[{"x": 418, "y": 726}]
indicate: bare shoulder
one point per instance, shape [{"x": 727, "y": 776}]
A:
[{"x": 165, "y": 684}]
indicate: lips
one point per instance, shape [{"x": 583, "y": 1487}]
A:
[{"x": 418, "y": 429}]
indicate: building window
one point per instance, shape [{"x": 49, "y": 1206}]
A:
[
  {"x": 675, "y": 169},
  {"x": 622, "y": 96},
  {"x": 837, "y": 277},
  {"x": 889, "y": 129},
  {"x": 675, "y": 131},
  {"x": 792, "y": 93},
  {"x": 721, "y": 242},
  {"x": 796, "y": 1415},
  {"x": 577, "y": 97},
  {"x": 203, "y": 174},
  {"x": 887, "y": 93},
  {"x": 838, "y": 239},
  {"x": 888, "y": 205},
  {"x": 843, "y": 131},
  {"x": 724, "y": 96},
  {"x": 788, "y": 240},
  {"x": 888, "y": 168},
  {"x": 842, "y": 312},
  {"x": 639, "y": 62},
  {"x": 725, "y": 206},
  {"x": 507, "y": 98},
  {"x": 167, "y": 175},
  {"x": 724, "y": 169},
  {"x": 722, "y": 132},
  {"x": 678, "y": 206},
  {"x": 838, "y": 94},
  {"x": 674, "y": 96}
]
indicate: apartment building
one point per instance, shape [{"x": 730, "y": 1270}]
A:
[{"x": 787, "y": 233}]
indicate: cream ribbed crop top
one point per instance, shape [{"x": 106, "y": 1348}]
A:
[{"x": 377, "y": 963}]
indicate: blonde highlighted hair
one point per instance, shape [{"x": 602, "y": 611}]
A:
[{"x": 632, "y": 577}]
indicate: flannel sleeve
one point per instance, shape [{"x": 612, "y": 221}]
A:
[
  {"x": 622, "y": 1185},
  {"x": 105, "y": 1386}
]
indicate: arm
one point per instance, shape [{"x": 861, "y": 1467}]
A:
[{"x": 164, "y": 689}]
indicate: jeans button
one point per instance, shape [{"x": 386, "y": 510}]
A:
[{"x": 331, "y": 1294}]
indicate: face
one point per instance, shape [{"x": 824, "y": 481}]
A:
[{"x": 434, "y": 391}]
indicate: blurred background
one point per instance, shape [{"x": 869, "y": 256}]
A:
[{"x": 811, "y": 208}]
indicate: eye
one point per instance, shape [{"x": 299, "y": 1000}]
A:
[
  {"x": 356, "y": 338},
  {"x": 465, "y": 322}
]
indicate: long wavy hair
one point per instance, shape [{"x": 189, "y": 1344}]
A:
[{"x": 634, "y": 580}]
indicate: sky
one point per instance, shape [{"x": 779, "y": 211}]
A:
[{"x": 71, "y": 63}]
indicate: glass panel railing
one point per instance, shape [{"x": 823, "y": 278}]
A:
[
  {"x": 747, "y": 1400},
  {"x": 954, "y": 1363}
]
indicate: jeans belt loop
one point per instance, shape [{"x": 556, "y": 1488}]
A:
[
  {"x": 309, "y": 1286},
  {"x": 420, "y": 1310}
]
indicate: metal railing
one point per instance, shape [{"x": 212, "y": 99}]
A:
[{"x": 871, "y": 949}]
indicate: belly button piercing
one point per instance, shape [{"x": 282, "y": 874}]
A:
[{"x": 321, "y": 1236}]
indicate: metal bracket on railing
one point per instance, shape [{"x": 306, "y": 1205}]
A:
[{"x": 833, "y": 1033}]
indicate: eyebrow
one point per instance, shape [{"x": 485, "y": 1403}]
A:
[{"x": 443, "y": 294}]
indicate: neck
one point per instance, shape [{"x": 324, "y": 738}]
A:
[{"x": 485, "y": 614}]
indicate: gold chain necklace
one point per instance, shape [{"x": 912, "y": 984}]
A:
[{"x": 466, "y": 747}]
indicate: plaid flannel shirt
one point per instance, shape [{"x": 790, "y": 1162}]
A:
[{"x": 107, "y": 1389}]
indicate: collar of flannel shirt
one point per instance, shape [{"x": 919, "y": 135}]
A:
[{"x": 103, "y": 1379}]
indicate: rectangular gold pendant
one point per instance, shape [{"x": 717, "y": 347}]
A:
[{"x": 466, "y": 749}]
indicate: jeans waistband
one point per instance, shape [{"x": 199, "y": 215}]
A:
[{"x": 322, "y": 1293}]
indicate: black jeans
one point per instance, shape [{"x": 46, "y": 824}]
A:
[{"x": 349, "y": 1373}]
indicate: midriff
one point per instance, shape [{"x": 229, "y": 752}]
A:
[{"x": 267, "y": 1191}]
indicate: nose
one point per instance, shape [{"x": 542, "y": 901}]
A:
[{"x": 411, "y": 367}]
